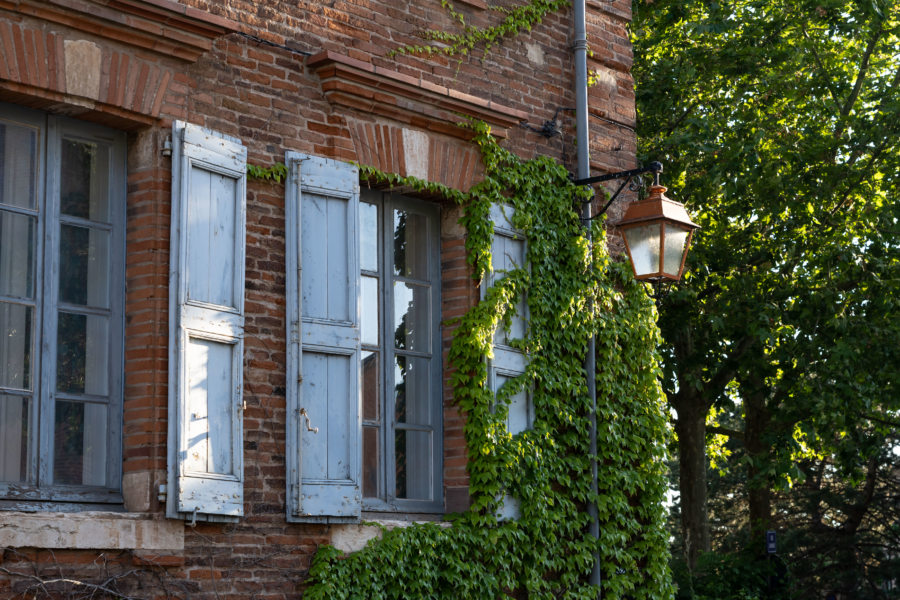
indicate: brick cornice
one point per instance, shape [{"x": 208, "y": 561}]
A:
[
  {"x": 161, "y": 26},
  {"x": 371, "y": 89}
]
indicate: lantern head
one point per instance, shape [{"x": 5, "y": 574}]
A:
[{"x": 657, "y": 234}]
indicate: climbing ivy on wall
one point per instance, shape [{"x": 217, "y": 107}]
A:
[
  {"x": 515, "y": 20},
  {"x": 547, "y": 551}
]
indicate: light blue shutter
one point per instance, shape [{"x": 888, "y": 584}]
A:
[
  {"x": 206, "y": 300},
  {"x": 508, "y": 253},
  {"x": 323, "y": 429}
]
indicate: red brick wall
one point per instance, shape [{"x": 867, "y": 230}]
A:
[{"x": 273, "y": 102}]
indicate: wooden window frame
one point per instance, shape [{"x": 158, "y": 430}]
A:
[
  {"x": 35, "y": 494},
  {"x": 386, "y": 501}
]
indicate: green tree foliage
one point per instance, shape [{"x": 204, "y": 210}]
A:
[
  {"x": 779, "y": 124},
  {"x": 546, "y": 552}
]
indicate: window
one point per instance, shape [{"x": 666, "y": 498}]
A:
[
  {"x": 508, "y": 252},
  {"x": 62, "y": 205},
  {"x": 400, "y": 359},
  {"x": 364, "y": 373}
]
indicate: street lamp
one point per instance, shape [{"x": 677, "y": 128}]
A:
[
  {"x": 657, "y": 234},
  {"x": 657, "y": 230}
]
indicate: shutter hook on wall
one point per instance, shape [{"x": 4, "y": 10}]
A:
[{"x": 304, "y": 414}]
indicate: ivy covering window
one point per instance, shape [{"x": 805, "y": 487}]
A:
[
  {"x": 62, "y": 187},
  {"x": 400, "y": 359}
]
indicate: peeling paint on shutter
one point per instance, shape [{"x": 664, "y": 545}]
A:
[
  {"x": 206, "y": 290},
  {"x": 323, "y": 430}
]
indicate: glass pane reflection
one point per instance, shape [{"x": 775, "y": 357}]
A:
[
  {"x": 18, "y": 165},
  {"x": 82, "y": 355},
  {"x": 368, "y": 308},
  {"x": 17, "y": 254},
  {"x": 16, "y": 336},
  {"x": 370, "y": 462},
  {"x": 368, "y": 237},
  {"x": 412, "y": 316},
  {"x": 14, "y": 438},
  {"x": 79, "y": 444},
  {"x": 371, "y": 400},
  {"x": 84, "y": 266},
  {"x": 411, "y": 383},
  {"x": 412, "y": 451},
  {"x": 410, "y": 245},
  {"x": 84, "y": 180}
]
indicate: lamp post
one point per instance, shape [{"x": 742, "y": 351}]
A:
[{"x": 657, "y": 233}]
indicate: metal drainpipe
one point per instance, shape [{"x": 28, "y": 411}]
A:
[{"x": 579, "y": 49}]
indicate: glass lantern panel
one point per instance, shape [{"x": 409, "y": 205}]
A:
[
  {"x": 643, "y": 244},
  {"x": 676, "y": 239}
]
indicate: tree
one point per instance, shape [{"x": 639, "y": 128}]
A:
[{"x": 779, "y": 125}]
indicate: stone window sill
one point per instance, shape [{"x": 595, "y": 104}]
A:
[
  {"x": 90, "y": 530},
  {"x": 353, "y": 537}
]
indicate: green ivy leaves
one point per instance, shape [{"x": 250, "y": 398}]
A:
[
  {"x": 275, "y": 173},
  {"x": 515, "y": 20},
  {"x": 546, "y": 552}
]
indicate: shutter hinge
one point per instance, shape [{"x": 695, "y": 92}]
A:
[
  {"x": 167, "y": 146},
  {"x": 163, "y": 493}
]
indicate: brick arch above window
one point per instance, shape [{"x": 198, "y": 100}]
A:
[
  {"x": 393, "y": 148},
  {"x": 119, "y": 62}
]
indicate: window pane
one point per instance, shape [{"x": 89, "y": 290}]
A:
[
  {"x": 84, "y": 180},
  {"x": 79, "y": 444},
  {"x": 16, "y": 335},
  {"x": 14, "y": 438},
  {"x": 18, "y": 165},
  {"x": 412, "y": 399},
  {"x": 368, "y": 237},
  {"x": 643, "y": 243},
  {"x": 82, "y": 354},
  {"x": 371, "y": 399},
  {"x": 17, "y": 252},
  {"x": 412, "y": 453},
  {"x": 369, "y": 311},
  {"x": 410, "y": 245},
  {"x": 370, "y": 462},
  {"x": 412, "y": 316},
  {"x": 84, "y": 266},
  {"x": 676, "y": 237}
]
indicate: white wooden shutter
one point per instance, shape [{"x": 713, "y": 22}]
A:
[
  {"x": 323, "y": 429},
  {"x": 508, "y": 253},
  {"x": 206, "y": 302}
]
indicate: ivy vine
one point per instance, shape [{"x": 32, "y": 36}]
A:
[
  {"x": 515, "y": 20},
  {"x": 276, "y": 172},
  {"x": 546, "y": 552}
]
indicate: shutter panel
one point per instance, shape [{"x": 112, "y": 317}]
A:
[
  {"x": 323, "y": 429},
  {"x": 206, "y": 283},
  {"x": 508, "y": 253}
]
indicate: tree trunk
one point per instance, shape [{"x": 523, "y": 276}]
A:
[
  {"x": 759, "y": 487},
  {"x": 691, "y": 429}
]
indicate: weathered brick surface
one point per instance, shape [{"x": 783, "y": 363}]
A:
[{"x": 269, "y": 98}]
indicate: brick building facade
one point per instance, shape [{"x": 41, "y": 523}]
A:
[{"x": 109, "y": 110}]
